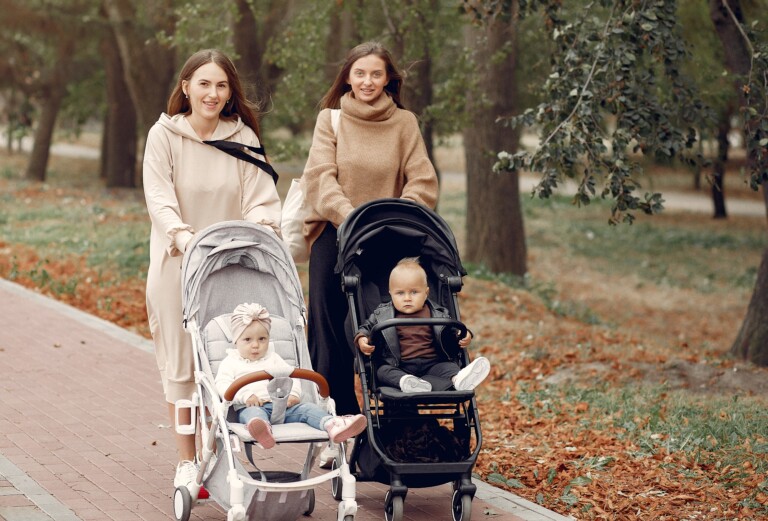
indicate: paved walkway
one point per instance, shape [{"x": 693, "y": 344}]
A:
[{"x": 84, "y": 435}]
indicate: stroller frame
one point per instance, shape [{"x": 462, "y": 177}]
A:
[{"x": 418, "y": 232}]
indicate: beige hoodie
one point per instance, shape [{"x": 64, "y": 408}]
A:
[{"x": 189, "y": 185}]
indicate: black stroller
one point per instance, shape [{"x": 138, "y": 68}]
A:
[{"x": 413, "y": 439}]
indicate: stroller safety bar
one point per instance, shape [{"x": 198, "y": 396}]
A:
[
  {"x": 304, "y": 374},
  {"x": 461, "y": 329}
]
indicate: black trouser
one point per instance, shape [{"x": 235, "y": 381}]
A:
[
  {"x": 329, "y": 348},
  {"x": 438, "y": 373}
]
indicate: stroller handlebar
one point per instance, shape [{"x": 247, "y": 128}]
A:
[{"x": 304, "y": 374}]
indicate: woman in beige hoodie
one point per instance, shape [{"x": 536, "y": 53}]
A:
[
  {"x": 376, "y": 152},
  {"x": 188, "y": 186}
]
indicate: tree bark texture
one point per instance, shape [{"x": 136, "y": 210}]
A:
[
  {"x": 495, "y": 231},
  {"x": 118, "y": 152},
  {"x": 752, "y": 340}
]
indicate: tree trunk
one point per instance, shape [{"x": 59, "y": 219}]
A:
[
  {"x": 697, "y": 168},
  {"x": 752, "y": 340},
  {"x": 417, "y": 90},
  {"x": 718, "y": 175},
  {"x": 38, "y": 160},
  {"x": 338, "y": 42},
  {"x": 149, "y": 65},
  {"x": 118, "y": 152},
  {"x": 245, "y": 37},
  {"x": 251, "y": 39},
  {"x": 495, "y": 232},
  {"x": 54, "y": 91},
  {"x": 103, "y": 145}
]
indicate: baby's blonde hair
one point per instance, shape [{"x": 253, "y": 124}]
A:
[{"x": 406, "y": 264}]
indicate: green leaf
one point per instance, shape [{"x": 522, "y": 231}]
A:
[
  {"x": 569, "y": 499},
  {"x": 581, "y": 481},
  {"x": 497, "y": 478},
  {"x": 551, "y": 475}
]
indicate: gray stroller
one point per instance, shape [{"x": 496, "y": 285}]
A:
[{"x": 227, "y": 264}]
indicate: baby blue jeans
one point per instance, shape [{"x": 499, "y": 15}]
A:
[{"x": 309, "y": 413}]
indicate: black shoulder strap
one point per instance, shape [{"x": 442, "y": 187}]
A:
[{"x": 233, "y": 148}]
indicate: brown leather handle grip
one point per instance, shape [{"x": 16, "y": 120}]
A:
[{"x": 304, "y": 374}]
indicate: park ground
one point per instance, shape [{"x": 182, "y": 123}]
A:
[{"x": 611, "y": 394}]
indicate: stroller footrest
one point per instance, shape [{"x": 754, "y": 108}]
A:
[
  {"x": 391, "y": 393},
  {"x": 284, "y": 433}
]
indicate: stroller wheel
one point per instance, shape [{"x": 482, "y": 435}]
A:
[
  {"x": 336, "y": 484},
  {"x": 393, "y": 507},
  {"x": 461, "y": 506},
  {"x": 182, "y": 504},
  {"x": 311, "y": 507}
]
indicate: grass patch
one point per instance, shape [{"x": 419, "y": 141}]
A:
[
  {"x": 725, "y": 432},
  {"x": 690, "y": 252},
  {"x": 109, "y": 228}
]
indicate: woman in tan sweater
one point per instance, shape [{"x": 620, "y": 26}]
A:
[
  {"x": 377, "y": 152},
  {"x": 188, "y": 186}
]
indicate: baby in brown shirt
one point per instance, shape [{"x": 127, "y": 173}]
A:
[{"x": 413, "y": 358}]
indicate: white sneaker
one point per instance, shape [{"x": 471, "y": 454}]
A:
[
  {"x": 472, "y": 375},
  {"x": 186, "y": 474},
  {"x": 341, "y": 428},
  {"x": 327, "y": 455},
  {"x": 414, "y": 384}
]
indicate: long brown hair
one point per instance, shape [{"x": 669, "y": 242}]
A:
[
  {"x": 332, "y": 98},
  {"x": 238, "y": 104}
]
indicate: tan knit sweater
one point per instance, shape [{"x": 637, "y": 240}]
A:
[{"x": 377, "y": 152}]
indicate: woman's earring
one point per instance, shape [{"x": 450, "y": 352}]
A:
[
  {"x": 186, "y": 95},
  {"x": 228, "y": 100}
]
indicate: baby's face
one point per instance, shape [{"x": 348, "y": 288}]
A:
[
  {"x": 254, "y": 342},
  {"x": 409, "y": 290}
]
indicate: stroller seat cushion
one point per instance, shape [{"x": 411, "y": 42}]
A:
[{"x": 284, "y": 433}]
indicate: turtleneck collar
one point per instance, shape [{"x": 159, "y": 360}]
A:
[{"x": 381, "y": 110}]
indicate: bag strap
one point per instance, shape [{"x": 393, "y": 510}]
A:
[
  {"x": 335, "y": 116},
  {"x": 233, "y": 148}
]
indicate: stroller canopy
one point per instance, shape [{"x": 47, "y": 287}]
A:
[
  {"x": 376, "y": 235},
  {"x": 231, "y": 262}
]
